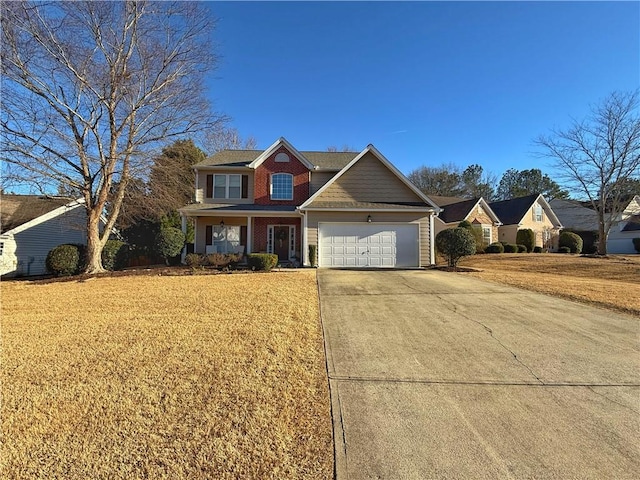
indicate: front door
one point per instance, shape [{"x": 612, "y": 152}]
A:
[{"x": 281, "y": 242}]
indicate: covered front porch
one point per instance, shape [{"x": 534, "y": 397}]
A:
[{"x": 227, "y": 229}]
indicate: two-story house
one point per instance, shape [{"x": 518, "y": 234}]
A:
[{"x": 356, "y": 208}]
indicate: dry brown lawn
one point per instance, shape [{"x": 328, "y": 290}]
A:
[
  {"x": 611, "y": 282},
  {"x": 165, "y": 377}
]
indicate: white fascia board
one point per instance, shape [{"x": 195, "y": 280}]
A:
[
  {"x": 238, "y": 213},
  {"x": 221, "y": 167},
  {"x": 485, "y": 205},
  {"x": 368, "y": 209},
  {"x": 47, "y": 216},
  {"x": 550, "y": 213},
  {"x": 387, "y": 163},
  {"x": 281, "y": 142}
]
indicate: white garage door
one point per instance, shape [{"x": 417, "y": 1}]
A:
[{"x": 368, "y": 245}]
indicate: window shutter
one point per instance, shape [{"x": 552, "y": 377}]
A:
[
  {"x": 209, "y": 187},
  {"x": 243, "y": 235},
  {"x": 245, "y": 186},
  {"x": 209, "y": 235}
]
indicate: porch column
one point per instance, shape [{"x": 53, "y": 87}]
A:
[
  {"x": 183, "y": 255},
  {"x": 249, "y": 235}
]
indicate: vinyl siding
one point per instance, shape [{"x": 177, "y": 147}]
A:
[
  {"x": 319, "y": 179},
  {"x": 313, "y": 218},
  {"x": 26, "y": 252},
  {"x": 368, "y": 180}
]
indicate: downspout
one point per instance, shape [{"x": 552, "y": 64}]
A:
[{"x": 432, "y": 247}]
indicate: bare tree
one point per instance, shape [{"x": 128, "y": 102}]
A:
[
  {"x": 92, "y": 89},
  {"x": 224, "y": 138},
  {"x": 599, "y": 156}
]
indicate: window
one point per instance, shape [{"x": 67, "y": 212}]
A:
[
  {"x": 1, "y": 248},
  {"x": 537, "y": 213},
  {"x": 282, "y": 186},
  {"x": 226, "y": 239},
  {"x": 227, "y": 186},
  {"x": 486, "y": 235}
]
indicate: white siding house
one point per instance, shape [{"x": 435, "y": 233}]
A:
[
  {"x": 24, "y": 247},
  {"x": 622, "y": 233}
]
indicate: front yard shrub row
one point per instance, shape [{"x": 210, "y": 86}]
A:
[
  {"x": 115, "y": 255},
  {"x": 570, "y": 240},
  {"x": 510, "y": 248},
  {"x": 496, "y": 247},
  {"x": 537, "y": 249},
  {"x": 262, "y": 261},
  {"x": 564, "y": 250},
  {"x": 522, "y": 248},
  {"x": 216, "y": 260}
]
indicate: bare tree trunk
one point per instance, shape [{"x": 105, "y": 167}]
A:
[
  {"x": 602, "y": 238},
  {"x": 94, "y": 244}
]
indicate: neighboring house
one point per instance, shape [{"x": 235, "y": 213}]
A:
[
  {"x": 579, "y": 219},
  {"x": 476, "y": 211},
  {"x": 357, "y": 208},
  {"x": 624, "y": 230},
  {"x": 532, "y": 212},
  {"x": 31, "y": 225}
]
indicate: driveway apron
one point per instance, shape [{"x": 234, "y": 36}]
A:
[{"x": 438, "y": 375}]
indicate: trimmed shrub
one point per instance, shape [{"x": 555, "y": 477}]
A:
[
  {"x": 522, "y": 248},
  {"x": 537, "y": 249},
  {"x": 496, "y": 247},
  {"x": 570, "y": 240},
  {"x": 193, "y": 259},
  {"x": 64, "y": 260},
  {"x": 510, "y": 248},
  {"x": 313, "y": 249},
  {"x": 115, "y": 255},
  {"x": 564, "y": 250},
  {"x": 636, "y": 244},
  {"x": 526, "y": 237},
  {"x": 455, "y": 243},
  {"x": 169, "y": 242},
  {"x": 223, "y": 260},
  {"x": 262, "y": 261},
  {"x": 477, "y": 235}
]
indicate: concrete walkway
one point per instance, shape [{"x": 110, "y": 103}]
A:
[{"x": 438, "y": 375}]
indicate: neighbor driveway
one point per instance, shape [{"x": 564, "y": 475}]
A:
[{"x": 437, "y": 375}]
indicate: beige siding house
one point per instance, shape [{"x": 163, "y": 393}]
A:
[
  {"x": 532, "y": 212},
  {"x": 357, "y": 209},
  {"x": 476, "y": 211}
]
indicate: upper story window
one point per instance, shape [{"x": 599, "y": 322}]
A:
[
  {"x": 1, "y": 248},
  {"x": 227, "y": 186},
  {"x": 537, "y": 213},
  {"x": 282, "y": 157},
  {"x": 281, "y": 186}
]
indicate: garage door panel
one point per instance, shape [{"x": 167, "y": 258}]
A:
[{"x": 367, "y": 245}]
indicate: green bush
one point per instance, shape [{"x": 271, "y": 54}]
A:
[
  {"x": 522, "y": 248},
  {"x": 510, "y": 248},
  {"x": 572, "y": 241},
  {"x": 64, "y": 260},
  {"x": 313, "y": 249},
  {"x": 537, "y": 249},
  {"x": 564, "y": 250},
  {"x": 526, "y": 237},
  {"x": 636, "y": 244},
  {"x": 262, "y": 261},
  {"x": 115, "y": 255},
  {"x": 169, "y": 242},
  {"x": 193, "y": 259},
  {"x": 496, "y": 247},
  {"x": 455, "y": 243},
  {"x": 477, "y": 235}
]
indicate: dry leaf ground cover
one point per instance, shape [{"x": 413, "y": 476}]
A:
[
  {"x": 165, "y": 377},
  {"x": 611, "y": 282}
]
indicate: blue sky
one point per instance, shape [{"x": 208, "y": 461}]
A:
[{"x": 426, "y": 82}]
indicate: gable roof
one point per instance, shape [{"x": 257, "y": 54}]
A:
[
  {"x": 20, "y": 212},
  {"x": 373, "y": 150},
  {"x": 328, "y": 161},
  {"x": 281, "y": 142},
  {"x": 512, "y": 211},
  {"x": 572, "y": 214},
  {"x": 633, "y": 224},
  {"x": 16, "y": 210}
]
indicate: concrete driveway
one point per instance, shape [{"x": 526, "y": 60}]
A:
[{"x": 438, "y": 375}]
